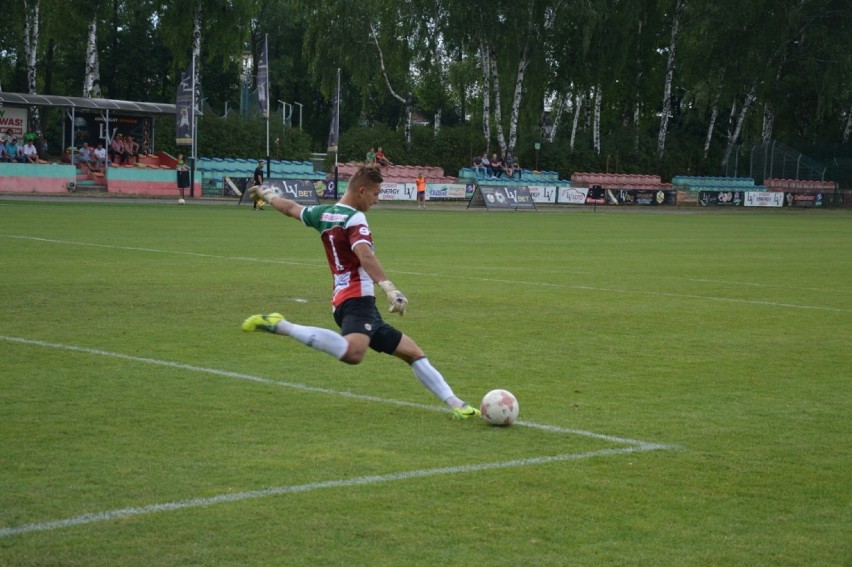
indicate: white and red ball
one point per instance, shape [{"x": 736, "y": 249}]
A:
[{"x": 499, "y": 407}]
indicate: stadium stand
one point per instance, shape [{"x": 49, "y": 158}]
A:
[
  {"x": 523, "y": 177},
  {"x": 398, "y": 173},
  {"x": 697, "y": 183}
]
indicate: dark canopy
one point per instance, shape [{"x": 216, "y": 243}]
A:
[{"x": 82, "y": 103}]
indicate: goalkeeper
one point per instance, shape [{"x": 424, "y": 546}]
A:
[{"x": 357, "y": 272}]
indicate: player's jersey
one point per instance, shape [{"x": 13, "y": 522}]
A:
[{"x": 341, "y": 229}]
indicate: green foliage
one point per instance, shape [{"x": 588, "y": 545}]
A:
[{"x": 796, "y": 54}]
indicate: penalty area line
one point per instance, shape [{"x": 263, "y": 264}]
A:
[{"x": 123, "y": 513}]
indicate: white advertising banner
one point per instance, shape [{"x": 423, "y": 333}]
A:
[
  {"x": 542, "y": 194},
  {"x": 398, "y": 192},
  {"x": 763, "y": 199},
  {"x": 573, "y": 195},
  {"x": 14, "y": 119},
  {"x": 446, "y": 191}
]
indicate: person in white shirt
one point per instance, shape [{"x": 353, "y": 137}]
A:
[
  {"x": 30, "y": 153},
  {"x": 99, "y": 157}
]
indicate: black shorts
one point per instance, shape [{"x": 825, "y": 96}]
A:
[{"x": 360, "y": 315}]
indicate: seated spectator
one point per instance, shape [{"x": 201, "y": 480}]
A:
[
  {"x": 4, "y": 157},
  {"x": 99, "y": 157},
  {"x": 496, "y": 166},
  {"x": 478, "y": 167},
  {"x": 511, "y": 167},
  {"x": 16, "y": 153},
  {"x": 486, "y": 163},
  {"x": 84, "y": 155},
  {"x": 371, "y": 155},
  {"x": 381, "y": 159},
  {"x": 116, "y": 149},
  {"x": 30, "y": 153},
  {"x": 7, "y": 137},
  {"x": 41, "y": 146},
  {"x": 516, "y": 167},
  {"x": 131, "y": 148}
]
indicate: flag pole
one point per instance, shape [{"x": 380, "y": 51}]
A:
[
  {"x": 337, "y": 149},
  {"x": 266, "y": 87},
  {"x": 194, "y": 133}
]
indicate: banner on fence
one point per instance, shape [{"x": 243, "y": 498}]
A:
[
  {"x": 542, "y": 194},
  {"x": 803, "y": 199},
  {"x": 397, "y": 192},
  {"x": 448, "y": 191},
  {"x": 501, "y": 198},
  {"x": 720, "y": 198},
  {"x": 640, "y": 197},
  {"x": 572, "y": 195},
  {"x": 763, "y": 199},
  {"x": 303, "y": 191}
]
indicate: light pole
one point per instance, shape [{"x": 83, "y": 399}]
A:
[{"x": 300, "y": 114}]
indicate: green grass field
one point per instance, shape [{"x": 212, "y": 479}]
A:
[{"x": 684, "y": 381}]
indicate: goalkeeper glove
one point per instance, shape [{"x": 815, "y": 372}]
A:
[
  {"x": 398, "y": 301},
  {"x": 263, "y": 193}
]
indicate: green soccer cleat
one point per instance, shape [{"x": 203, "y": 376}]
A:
[
  {"x": 465, "y": 412},
  {"x": 265, "y": 322}
]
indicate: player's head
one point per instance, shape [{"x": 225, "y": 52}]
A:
[{"x": 363, "y": 190}]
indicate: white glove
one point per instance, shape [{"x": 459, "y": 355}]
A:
[
  {"x": 263, "y": 192},
  {"x": 397, "y": 300}
]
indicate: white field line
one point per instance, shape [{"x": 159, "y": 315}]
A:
[
  {"x": 633, "y": 446},
  {"x": 123, "y": 513},
  {"x": 526, "y": 282},
  {"x": 300, "y": 387}
]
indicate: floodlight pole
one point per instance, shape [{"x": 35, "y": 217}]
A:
[{"x": 300, "y": 105}]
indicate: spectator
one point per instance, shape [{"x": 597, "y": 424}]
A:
[
  {"x": 421, "y": 190},
  {"x": 99, "y": 157},
  {"x": 371, "y": 155},
  {"x": 131, "y": 148},
  {"x": 41, "y": 147},
  {"x": 15, "y": 153},
  {"x": 30, "y": 152},
  {"x": 7, "y": 137},
  {"x": 496, "y": 166},
  {"x": 4, "y": 157},
  {"x": 30, "y": 136},
  {"x": 486, "y": 163},
  {"x": 381, "y": 159},
  {"x": 116, "y": 149},
  {"x": 84, "y": 156},
  {"x": 479, "y": 167}
]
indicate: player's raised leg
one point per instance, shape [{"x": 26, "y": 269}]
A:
[{"x": 323, "y": 340}]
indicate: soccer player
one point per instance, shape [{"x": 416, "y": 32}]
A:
[{"x": 356, "y": 270}]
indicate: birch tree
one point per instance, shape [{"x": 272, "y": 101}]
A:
[
  {"x": 92, "y": 78},
  {"x": 665, "y": 113},
  {"x": 31, "y": 37}
]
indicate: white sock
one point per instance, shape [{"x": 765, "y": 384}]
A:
[
  {"x": 317, "y": 338},
  {"x": 434, "y": 382}
]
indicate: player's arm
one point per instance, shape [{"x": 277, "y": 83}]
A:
[
  {"x": 286, "y": 206},
  {"x": 396, "y": 299}
]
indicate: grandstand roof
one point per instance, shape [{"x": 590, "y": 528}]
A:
[{"x": 83, "y": 103}]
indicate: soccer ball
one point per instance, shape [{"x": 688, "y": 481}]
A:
[
  {"x": 181, "y": 202},
  {"x": 499, "y": 407}
]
